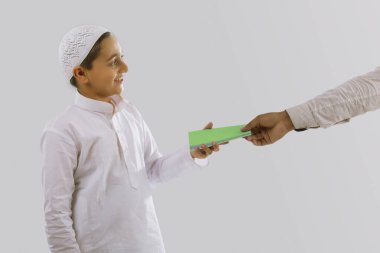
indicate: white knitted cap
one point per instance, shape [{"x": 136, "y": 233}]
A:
[{"x": 75, "y": 46}]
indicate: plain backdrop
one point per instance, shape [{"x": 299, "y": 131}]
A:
[{"x": 191, "y": 62}]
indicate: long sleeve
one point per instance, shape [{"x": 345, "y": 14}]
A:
[
  {"x": 59, "y": 156},
  {"x": 164, "y": 168},
  {"x": 354, "y": 97}
]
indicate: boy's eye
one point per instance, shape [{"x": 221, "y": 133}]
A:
[{"x": 114, "y": 62}]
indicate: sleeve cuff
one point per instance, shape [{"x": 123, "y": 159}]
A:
[
  {"x": 201, "y": 162},
  {"x": 302, "y": 117},
  {"x": 194, "y": 161}
]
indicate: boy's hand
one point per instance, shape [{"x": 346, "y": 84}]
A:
[{"x": 204, "y": 151}]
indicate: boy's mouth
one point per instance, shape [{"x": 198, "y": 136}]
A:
[{"x": 119, "y": 80}]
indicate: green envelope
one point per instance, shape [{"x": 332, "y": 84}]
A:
[{"x": 219, "y": 135}]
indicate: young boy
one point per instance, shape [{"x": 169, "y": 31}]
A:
[{"x": 100, "y": 159}]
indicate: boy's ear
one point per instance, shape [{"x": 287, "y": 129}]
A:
[{"x": 79, "y": 74}]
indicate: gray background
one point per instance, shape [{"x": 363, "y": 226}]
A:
[{"x": 196, "y": 61}]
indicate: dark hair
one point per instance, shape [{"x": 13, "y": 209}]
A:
[{"x": 92, "y": 55}]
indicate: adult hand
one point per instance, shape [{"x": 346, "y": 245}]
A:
[{"x": 268, "y": 128}]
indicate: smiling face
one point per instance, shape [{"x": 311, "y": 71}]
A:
[{"x": 106, "y": 75}]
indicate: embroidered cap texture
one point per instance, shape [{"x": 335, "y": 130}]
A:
[{"x": 75, "y": 46}]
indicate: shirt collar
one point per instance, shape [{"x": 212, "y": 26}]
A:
[{"x": 97, "y": 105}]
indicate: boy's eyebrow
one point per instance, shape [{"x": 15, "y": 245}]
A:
[{"x": 112, "y": 56}]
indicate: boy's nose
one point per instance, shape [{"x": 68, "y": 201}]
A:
[{"x": 124, "y": 67}]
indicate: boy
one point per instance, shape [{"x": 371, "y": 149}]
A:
[{"x": 100, "y": 159}]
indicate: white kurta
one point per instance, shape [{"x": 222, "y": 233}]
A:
[
  {"x": 354, "y": 97},
  {"x": 99, "y": 166}
]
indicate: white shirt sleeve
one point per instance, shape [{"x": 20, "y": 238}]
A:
[
  {"x": 354, "y": 97},
  {"x": 59, "y": 161},
  {"x": 164, "y": 168}
]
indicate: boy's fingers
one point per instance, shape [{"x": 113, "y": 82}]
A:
[
  {"x": 208, "y": 126},
  {"x": 206, "y": 149},
  {"x": 215, "y": 147},
  {"x": 200, "y": 153},
  {"x": 203, "y": 152}
]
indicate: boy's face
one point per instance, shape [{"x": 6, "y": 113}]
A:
[{"x": 105, "y": 78}]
